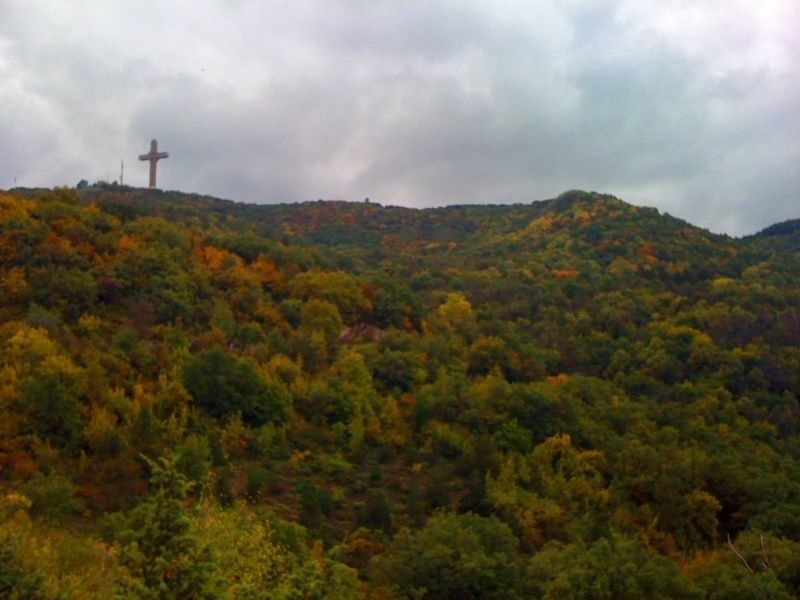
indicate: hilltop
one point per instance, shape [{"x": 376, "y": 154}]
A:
[{"x": 346, "y": 400}]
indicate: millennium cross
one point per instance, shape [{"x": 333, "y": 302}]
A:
[{"x": 153, "y": 156}]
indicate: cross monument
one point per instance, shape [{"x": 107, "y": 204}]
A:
[{"x": 153, "y": 156}]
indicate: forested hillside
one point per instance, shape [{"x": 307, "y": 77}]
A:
[{"x": 573, "y": 398}]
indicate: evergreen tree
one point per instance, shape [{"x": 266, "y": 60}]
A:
[{"x": 164, "y": 559}]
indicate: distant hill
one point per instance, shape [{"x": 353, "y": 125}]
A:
[
  {"x": 600, "y": 225},
  {"x": 788, "y": 227},
  {"x": 783, "y": 236}
]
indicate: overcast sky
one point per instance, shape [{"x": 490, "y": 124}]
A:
[{"x": 692, "y": 106}]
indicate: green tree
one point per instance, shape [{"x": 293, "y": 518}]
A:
[
  {"x": 754, "y": 565},
  {"x": 193, "y": 460},
  {"x": 555, "y": 492},
  {"x": 158, "y": 548},
  {"x": 394, "y": 305},
  {"x": 454, "y": 557},
  {"x": 17, "y": 580},
  {"x": 335, "y": 287},
  {"x": 52, "y": 496},
  {"x": 456, "y": 315},
  {"x": 50, "y": 397},
  {"x": 608, "y": 569},
  {"x": 222, "y": 384},
  {"x": 261, "y": 557}
]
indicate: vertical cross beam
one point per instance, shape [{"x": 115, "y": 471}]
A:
[{"x": 153, "y": 156}]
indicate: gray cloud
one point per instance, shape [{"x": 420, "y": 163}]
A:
[{"x": 692, "y": 110}]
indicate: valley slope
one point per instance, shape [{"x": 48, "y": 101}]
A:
[{"x": 575, "y": 397}]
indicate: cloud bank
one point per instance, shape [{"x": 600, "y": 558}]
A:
[{"x": 690, "y": 107}]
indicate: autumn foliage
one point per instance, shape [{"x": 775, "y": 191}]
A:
[{"x": 570, "y": 398}]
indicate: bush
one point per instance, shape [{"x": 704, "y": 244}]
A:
[
  {"x": 376, "y": 513},
  {"x": 257, "y": 479},
  {"x": 52, "y": 497},
  {"x": 316, "y": 504}
]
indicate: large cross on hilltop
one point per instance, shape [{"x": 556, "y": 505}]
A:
[{"x": 153, "y": 156}]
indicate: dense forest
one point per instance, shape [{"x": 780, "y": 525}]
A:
[{"x": 572, "y": 398}]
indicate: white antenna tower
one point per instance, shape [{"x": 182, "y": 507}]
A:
[{"x": 121, "y": 171}]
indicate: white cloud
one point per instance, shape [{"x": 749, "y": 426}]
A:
[{"x": 692, "y": 107}]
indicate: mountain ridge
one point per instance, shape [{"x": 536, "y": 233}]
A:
[{"x": 565, "y": 201}]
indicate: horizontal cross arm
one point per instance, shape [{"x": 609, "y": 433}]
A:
[{"x": 154, "y": 155}]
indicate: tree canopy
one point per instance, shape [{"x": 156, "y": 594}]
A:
[{"x": 568, "y": 398}]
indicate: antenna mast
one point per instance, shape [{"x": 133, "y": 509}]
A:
[{"x": 121, "y": 171}]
